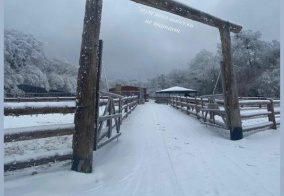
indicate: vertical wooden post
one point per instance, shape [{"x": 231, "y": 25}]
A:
[
  {"x": 86, "y": 89},
  {"x": 197, "y": 108},
  {"x": 97, "y": 103},
  {"x": 187, "y": 107},
  {"x": 230, "y": 87},
  {"x": 110, "y": 120},
  {"x": 130, "y": 105},
  {"x": 271, "y": 117},
  {"x": 127, "y": 107},
  {"x": 120, "y": 111}
]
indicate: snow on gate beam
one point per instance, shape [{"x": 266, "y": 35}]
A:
[{"x": 190, "y": 13}]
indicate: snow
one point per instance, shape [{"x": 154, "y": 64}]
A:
[
  {"x": 62, "y": 104},
  {"x": 175, "y": 88},
  {"x": 163, "y": 151},
  {"x": 22, "y": 122},
  {"x": 41, "y": 128}
]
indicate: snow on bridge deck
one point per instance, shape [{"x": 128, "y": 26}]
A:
[{"x": 162, "y": 151}]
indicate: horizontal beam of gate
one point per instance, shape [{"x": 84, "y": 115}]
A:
[{"x": 189, "y": 13}]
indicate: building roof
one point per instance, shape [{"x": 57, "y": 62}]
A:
[{"x": 176, "y": 90}]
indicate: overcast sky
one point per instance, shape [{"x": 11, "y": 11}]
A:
[{"x": 132, "y": 48}]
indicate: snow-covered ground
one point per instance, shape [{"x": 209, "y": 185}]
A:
[{"x": 162, "y": 151}]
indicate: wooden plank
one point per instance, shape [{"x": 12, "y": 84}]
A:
[
  {"x": 38, "y": 110},
  {"x": 215, "y": 95},
  {"x": 253, "y": 102},
  {"x": 111, "y": 94},
  {"x": 189, "y": 13},
  {"x": 39, "y": 99},
  {"x": 108, "y": 141},
  {"x": 102, "y": 122},
  {"x": 107, "y": 117},
  {"x": 213, "y": 125},
  {"x": 45, "y": 99},
  {"x": 213, "y": 110},
  {"x": 123, "y": 107},
  {"x": 117, "y": 125},
  {"x": 103, "y": 134},
  {"x": 258, "y": 126},
  {"x": 83, "y": 140},
  {"x": 38, "y": 134},
  {"x": 25, "y": 164},
  {"x": 255, "y": 114},
  {"x": 217, "y": 122},
  {"x": 110, "y": 120}
]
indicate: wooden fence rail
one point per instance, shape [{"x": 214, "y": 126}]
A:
[
  {"x": 111, "y": 114},
  {"x": 211, "y": 106}
]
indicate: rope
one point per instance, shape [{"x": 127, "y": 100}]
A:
[
  {"x": 217, "y": 82},
  {"x": 105, "y": 76}
]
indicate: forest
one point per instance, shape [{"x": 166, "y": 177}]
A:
[{"x": 256, "y": 64}]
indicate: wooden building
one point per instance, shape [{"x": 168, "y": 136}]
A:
[{"x": 129, "y": 91}]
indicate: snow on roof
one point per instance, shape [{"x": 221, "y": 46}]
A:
[{"x": 176, "y": 89}]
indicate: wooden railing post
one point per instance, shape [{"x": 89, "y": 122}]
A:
[
  {"x": 120, "y": 110},
  {"x": 110, "y": 120},
  {"x": 271, "y": 117},
  {"x": 127, "y": 107},
  {"x": 176, "y": 101},
  {"x": 130, "y": 105},
  {"x": 197, "y": 108},
  {"x": 187, "y": 106}
]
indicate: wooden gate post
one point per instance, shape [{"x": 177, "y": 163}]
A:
[
  {"x": 230, "y": 91},
  {"x": 86, "y": 89}
]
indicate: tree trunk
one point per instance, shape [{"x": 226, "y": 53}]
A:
[
  {"x": 230, "y": 91},
  {"x": 86, "y": 89}
]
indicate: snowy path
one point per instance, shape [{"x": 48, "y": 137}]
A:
[{"x": 162, "y": 151}]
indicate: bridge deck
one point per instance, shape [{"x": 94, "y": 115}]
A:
[{"x": 162, "y": 151}]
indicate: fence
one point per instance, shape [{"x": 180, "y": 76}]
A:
[
  {"x": 117, "y": 108},
  {"x": 41, "y": 94},
  {"x": 210, "y": 110}
]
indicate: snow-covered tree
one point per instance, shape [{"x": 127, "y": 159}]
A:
[{"x": 26, "y": 63}]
